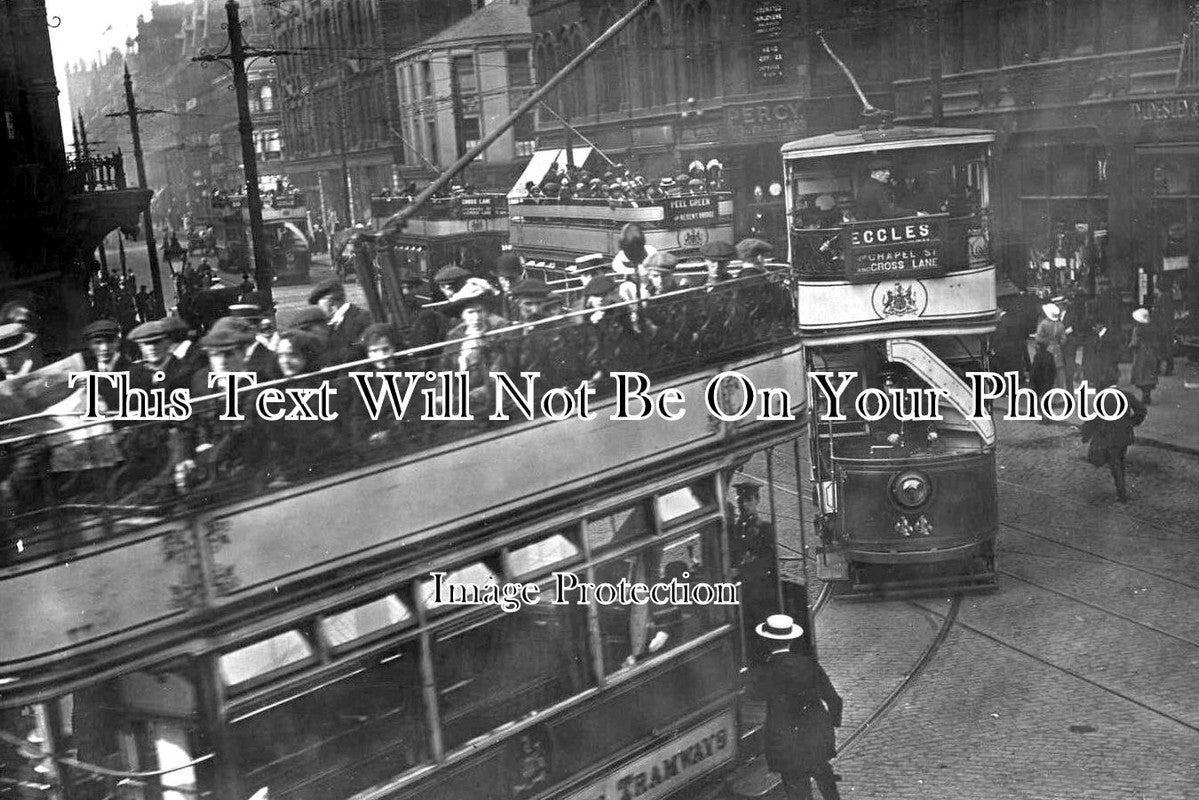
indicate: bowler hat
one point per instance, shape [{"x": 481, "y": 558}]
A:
[
  {"x": 599, "y": 286},
  {"x": 508, "y": 265},
  {"x": 718, "y": 250},
  {"x": 325, "y": 287},
  {"x": 779, "y": 626},
  {"x": 228, "y": 332},
  {"x": 153, "y": 331},
  {"x": 101, "y": 329},
  {"x": 14, "y": 336},
  {"x": 751, "y": 248}
]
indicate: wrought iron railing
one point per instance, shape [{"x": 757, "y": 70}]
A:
[
  {"x": 96, "y": 173},
  {"x": 63, "y": 487}
]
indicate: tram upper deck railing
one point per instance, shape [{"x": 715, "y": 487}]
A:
[
  {"x": 112, "y": 529},
  {"x": 478, "y": 205},
  {"x": 675, "y": 212}
]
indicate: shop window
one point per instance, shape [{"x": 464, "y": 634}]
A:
[
  {"x": 364, "y": 622},
  {"x": 508, "y": 667},
  {"x": 619, "y": 527},
  {"x": 339, "y": 738},
  {"x": 268, "y": 657},
  {"x": 632, "y": 633},
  {"x": 1174, "y": 187}
]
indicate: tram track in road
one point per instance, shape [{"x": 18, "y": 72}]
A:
[{"x": 1029, "y": 654}]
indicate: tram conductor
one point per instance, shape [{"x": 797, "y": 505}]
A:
[{"x": 802, "y": 709}]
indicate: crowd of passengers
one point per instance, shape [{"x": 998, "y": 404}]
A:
[
  {"x": 565, "y": 184},
  {"x": 131, "y": 463}
]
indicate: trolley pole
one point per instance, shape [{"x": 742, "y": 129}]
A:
[
  {"x": 151, "y": 246},
  {"x": 263, "y": 270}
]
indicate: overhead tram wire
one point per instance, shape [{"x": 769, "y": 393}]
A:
[{"x": 397, "y": 220}]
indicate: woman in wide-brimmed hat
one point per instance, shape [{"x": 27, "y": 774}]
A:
[
  {"x": 1051, "y": 333},
  {"x": 1145, "y": 347}
]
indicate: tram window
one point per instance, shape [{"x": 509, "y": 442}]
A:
[
  {"x": 686, "y": 501},
  {"x": 473, "y": 575},
  {"x": 270, "y": 656},
  {"x": 632, "y": 633},
  {"x": 619, "y": 527},
  {"x": 141, "y": 721},
  {"x": 340, "y": 737},
  {"x": 539, "y": 556},
  {"x": 364, "y": 621},
  {"x": 508, "y": 667}
]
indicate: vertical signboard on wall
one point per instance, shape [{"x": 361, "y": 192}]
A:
[{"x": 768, "y": 48}]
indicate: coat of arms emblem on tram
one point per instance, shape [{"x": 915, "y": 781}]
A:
[
  {"x": 899, "y": 299},
  {"x": 693, "y": 237}
]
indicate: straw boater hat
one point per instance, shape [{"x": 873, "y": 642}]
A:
[
  {"x": 779, "y": 627},
  {"x": 1141, "y": 315},
  {"x": 1052, "y": 311},
  {"x": 14, "y": 336}
]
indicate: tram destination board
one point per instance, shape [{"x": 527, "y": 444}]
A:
[
  {"x": 909, "y": 248},
  {"x": 482, "y": 207},
  {"x": 689, "y": 210}
]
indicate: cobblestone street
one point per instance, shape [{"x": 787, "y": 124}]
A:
[{"x": 1075, "y": 679}]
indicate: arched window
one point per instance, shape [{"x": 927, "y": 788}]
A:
[{"x": 609, "y": 69}]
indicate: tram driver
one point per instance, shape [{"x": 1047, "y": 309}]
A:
[
  {"x": 891, "y": 431},
  {"x": 875, "y": 196}
]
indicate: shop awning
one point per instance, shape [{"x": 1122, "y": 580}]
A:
[{"x": 539, "y": 165}]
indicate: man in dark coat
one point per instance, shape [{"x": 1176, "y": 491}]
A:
[
  {"x": 1109, "y": 441},
  {"x": 347, "y": 322},
  {"x": 874, "y": 199},
  {"x": 802, "y": 708}
]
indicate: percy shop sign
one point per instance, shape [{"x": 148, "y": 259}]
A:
[{"x": 896, "y": 248}]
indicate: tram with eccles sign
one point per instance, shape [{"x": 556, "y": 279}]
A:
[
  {"x": 890, "y": 242},
  {"x": 284, "y": 224}
]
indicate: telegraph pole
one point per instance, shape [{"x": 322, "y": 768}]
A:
[
  {"x": 132, "y": 111},
  {"x": 264, "y": 274}
]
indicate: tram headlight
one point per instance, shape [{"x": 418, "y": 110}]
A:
[{"x": 911, "y": 490}]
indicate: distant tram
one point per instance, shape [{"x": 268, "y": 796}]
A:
[
  {"x": 890, "y": 240},
  {"x": 468, "y": 230},
  {"x": 284, "y": 224}
]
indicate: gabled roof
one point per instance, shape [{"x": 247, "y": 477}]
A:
[{"x": 496, "y": 19}]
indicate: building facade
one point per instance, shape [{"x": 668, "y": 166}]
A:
[
  {"x": 687, "y": 80},
  {"x": 55, "y": 208},
  {"x": 459, "y": 85},
  {"x": 1094, "y": 103},
  {"x": 338, "y": 94}
]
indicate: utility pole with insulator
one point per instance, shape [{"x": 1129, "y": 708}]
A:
[
  {"x": 264, "y": 273},
  {"x": 131, "y": 110}
]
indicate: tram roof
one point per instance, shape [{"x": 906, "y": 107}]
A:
[{"x": 873, "y": 140}]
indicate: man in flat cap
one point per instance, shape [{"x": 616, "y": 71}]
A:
[
  {"x": 450, "y": 280},
  {"x": 754, "y": 251},
  {"x": 874, "y": 197},
  {"x": 254, "y": 308},
  {"x": 802, "y": 709},
  {"x": 153, "y": 340},
  {"x": 717, "y": 254},
  {"x": 347, "y": 322},
  {"x": 225, "y": 345}
]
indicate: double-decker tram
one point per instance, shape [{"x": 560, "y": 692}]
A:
[
  {"x": 323, "y": 609},
  {"x": 284, "y": 224},
  {"x": 890, "y": 240},
  {"x": 467, "y": 229}
]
